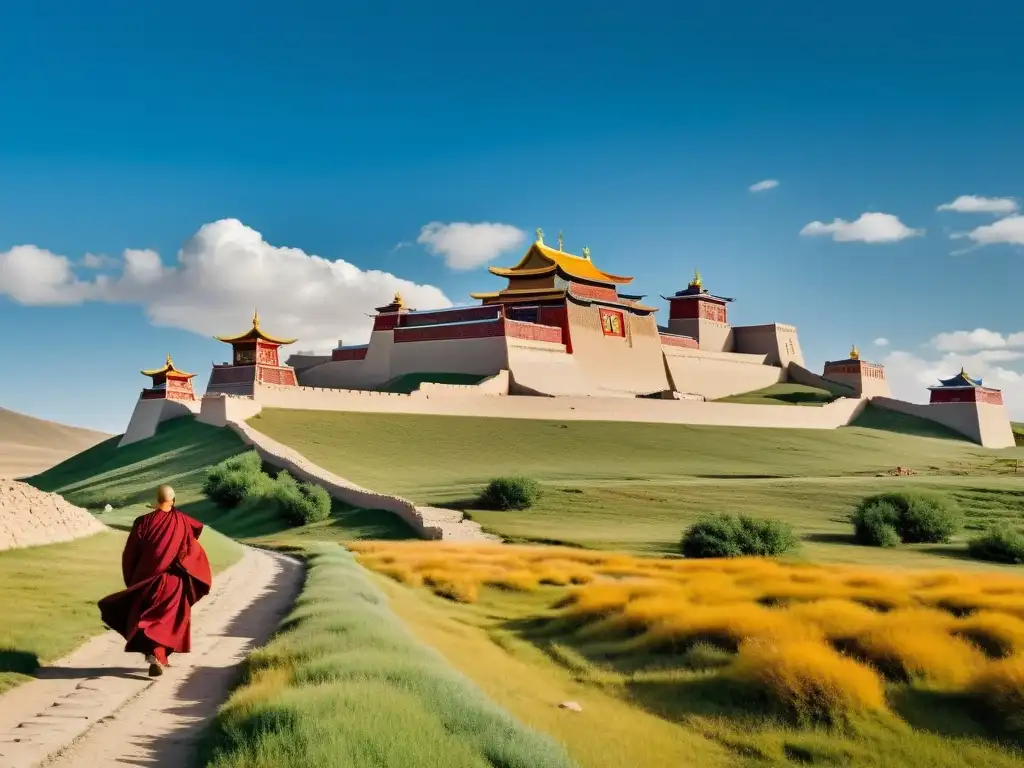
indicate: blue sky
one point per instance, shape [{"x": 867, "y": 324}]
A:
[{"x": 636, "y": 129}]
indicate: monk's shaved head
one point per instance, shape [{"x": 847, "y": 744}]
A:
[{"x": 164, "y": 494}]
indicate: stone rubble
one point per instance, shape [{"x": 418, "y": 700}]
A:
[{"x": 30, "y": 517}]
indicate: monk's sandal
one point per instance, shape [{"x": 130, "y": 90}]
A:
[{"x": 155, "y": 667}]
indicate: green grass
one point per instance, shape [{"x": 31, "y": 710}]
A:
[
  {"x": 50, "y": 595},
  {"x": 410, "y": 382},
  {"x": 1018, "y": 432},
  {"x": 344, "y": 683},
  {"x": 180, "y": 454},
  {"x": 614, "y": 485},
  {"x": 783, "y": 394},
  {"x": 648, "y": 711}
]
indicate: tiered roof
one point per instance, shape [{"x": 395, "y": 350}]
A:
[
  {"x": 255, "y": 334},
  {"x": 168, "y": 370},
  {"x": 960, "y": 381},
  {"x": 695, "y": 290}
]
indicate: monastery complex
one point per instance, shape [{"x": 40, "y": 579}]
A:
[{"x": 561, "y": 340}]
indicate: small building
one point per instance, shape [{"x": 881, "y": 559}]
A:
[
  {"x": 254, "y": 359},
  {"x": 964, "y": 389},
  {"x": 866, "y": 379},
  {"x": 169, "y": 384}
]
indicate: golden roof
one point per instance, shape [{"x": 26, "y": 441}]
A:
[
  {"x": 254, "y": 333},
  {"x": 168, "y": 369},
  {"x": 574, "y": 266}
]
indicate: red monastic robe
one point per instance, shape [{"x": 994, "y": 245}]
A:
[{"x": 166, "y": 572}]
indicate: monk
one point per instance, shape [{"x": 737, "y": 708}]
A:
[{"x": 166, "y": 572}]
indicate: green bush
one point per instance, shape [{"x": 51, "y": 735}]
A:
[
  {"x": 300, "y": 503},
  {"x": 233, "y": 480},
  {"x": 911, "y": 517},
  {"x": 732, "y": 536},
  {"x": 998, "y": 545},
  {"x": 510, "y": 493}
]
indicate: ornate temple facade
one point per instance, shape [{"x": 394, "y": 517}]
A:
[
  {"x": 254, "y": 359},
  {"x": 169, "y": 384},
  {"x": 964, "y": 389},
  {"x": 563, "y": 326}
]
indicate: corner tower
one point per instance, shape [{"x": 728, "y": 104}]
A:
[
  {"x": 254, "y": 360},
  {"x": 702, "y": 315},
  {"x": 866, "y": 379},
  {"x": 169, "y": 384},
  {"x": 968, "y": 406}
]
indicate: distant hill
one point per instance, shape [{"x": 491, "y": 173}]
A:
[{"x": 29, "y": 445}]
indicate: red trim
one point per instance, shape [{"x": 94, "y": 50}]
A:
[
  {"x": 338, "y": 355},
  {"x": 679, "y": 341},
  {"x": 597, "y": 292},
  {"x": 533, "y": 331},
  {"x": 477, "y": 330}
]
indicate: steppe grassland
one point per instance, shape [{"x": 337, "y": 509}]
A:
[{"x": 779, "y": 650}]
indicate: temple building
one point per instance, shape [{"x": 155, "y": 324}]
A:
[
  {"x": 169, "y": 384},
  {"x": 963, "y": 389},
  {"x": 560, "y": 326},
  {"x": 864, "y": 378},
  {"x": 254, "y": 359}
]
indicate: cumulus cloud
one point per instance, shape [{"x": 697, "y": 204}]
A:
[
  {"x": 910, "y": 374},
  {"x": 467, "y": 246},
  {"x": 977, "y": 339},
  {"x": 977, "y": 204},
  {"x": 222, "y": 273},
  {"x": 98, "y": 261},
  {"x": 1009, "y": 230},
  {"x": 881, "y": 341},
  {"x": 869, "y": 228},
  {"x": 763, "y": 186}
]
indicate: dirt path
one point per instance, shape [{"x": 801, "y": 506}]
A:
[{"x": 97, "y": 707}]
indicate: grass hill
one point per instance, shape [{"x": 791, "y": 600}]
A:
[
  {"x": 783, "y": 394},
  {"x": 29, "y": 445},
  {"x": 619, "y": 485},
  {"x": 410, "y": 382}
]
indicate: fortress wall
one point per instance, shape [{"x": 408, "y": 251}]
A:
[
  {"x": 646, "y": 410},
  {"x": 801, "y": 375},
  {"x": 631, "y": 363},
  {"x": 219, "y": 410},
  {"x": 984, "y": 423},
  {"x": 711, "y": 335},
  {"x": 481, "y": 356},
  {"x": 149, "y": 414},
  {"x": 495, "y": 385},
  {"x": 301, "y": 361},
  {"x": 719, "y": 374},
  {"x": 370, "y": 372},
  {"x": 534, "y": 370},
  {"x": 778, "y": 342}
]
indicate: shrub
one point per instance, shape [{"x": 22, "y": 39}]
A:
[
  {"x": 233, "y": 480},
  {"x": 510, "y": 493},
  {"x": 300, "y": 503},
  {"x": 730, "y": 536},
  {"x": 999, "y": 545},
  {"x": 1000, "y": 689},
  {"x": 885, "y": 519},
  {"x": 808, "y": 681}
]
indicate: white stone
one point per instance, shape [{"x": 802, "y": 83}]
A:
[{"x": 572, "y": 706}]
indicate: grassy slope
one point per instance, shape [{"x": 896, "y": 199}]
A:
[
  {"x": 345, "y": 684},
  {"x": 180, "y": 454},
  {"x": 58, "y": 586},
  {"x": 783, "y": 394},
  {"x": 636, "y": 486},
  {"x": 410, "y": 382},
  {"x": 664, "y": 716}
]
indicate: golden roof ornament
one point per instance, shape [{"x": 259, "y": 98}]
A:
[
  {"x": 964, "y": 373},
  {"x": 561, "y": 240},
  {"x": 170, "y": 363},
  {"x": 399, "y": 301},
  {"x": 255, "y": 318},
  {"x": 586, "y": 252},
  {"x": 854, "y": 353},
  {"x": 697, "y": 282},
  {"x": 540, "y": 235}
]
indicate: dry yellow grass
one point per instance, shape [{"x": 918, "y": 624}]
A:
[
  {"x": 1000, "y": 687},
  {"x": 806, "y": 635}
]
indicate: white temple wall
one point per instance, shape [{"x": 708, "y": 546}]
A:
[
  {"x": 778, "y": 342},
  {"x": 149, "y": 414},
  {"x": 630, "y": 363},
  {"x": 711, "y": 335},
  {"x": 984, "y": 423},
  {"x": 480, "y": 357},
  {"x": 719, "y": 374}
]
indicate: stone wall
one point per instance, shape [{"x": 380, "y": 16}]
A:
[
  {"x": 719, "y": 374},
  {"x": 984, "y": 423},
  {"x": 801, "y": 375},
  {"x": 30, "y": 517},
  {"x": 149, "y": 414}
]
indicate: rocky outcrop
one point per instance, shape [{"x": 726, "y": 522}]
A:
[{"x": 30, "y": 517}]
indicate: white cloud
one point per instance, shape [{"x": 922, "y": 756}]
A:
[
  {"x": 1009, "y": 230},
  {"x": 909, "y": 375},
  {"x": 881, "y": 341},
  {"x": 979, "y": 338},
  {"x": 222, "y": 273},
  {"x": 763, "y": 186},
  {"x": 869, "y": 228},
  {"x": 976, "y": 204},
  {"x": 98, "y": 261},
  {"x": 466, "y": 246}
]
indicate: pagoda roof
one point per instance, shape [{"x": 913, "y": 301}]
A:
[
  {"x": 605, "y": 302},
  {"x": 960, "y": 380},
  {"x": 255, "y": 333},
  {"x": 695, "y": 290},
  {"x": 523, "y": 294},
  {"x": 580, "y": 267},
  {"x": 169, "y": 370}
]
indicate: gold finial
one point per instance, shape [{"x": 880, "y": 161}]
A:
[
  {"x": 560, "y": 239},
  {"x": 854, "y": 353},
  {"x": 170, "y": 363},
  {"x": 964, "y": 373},
  {"x": 697, "y": 282},
  {"x": 255, "y": 318},
  {"x": 399, "y": 300},
  {"x": 586, "y": 252},
  {"x": 540, "y": 235}
]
